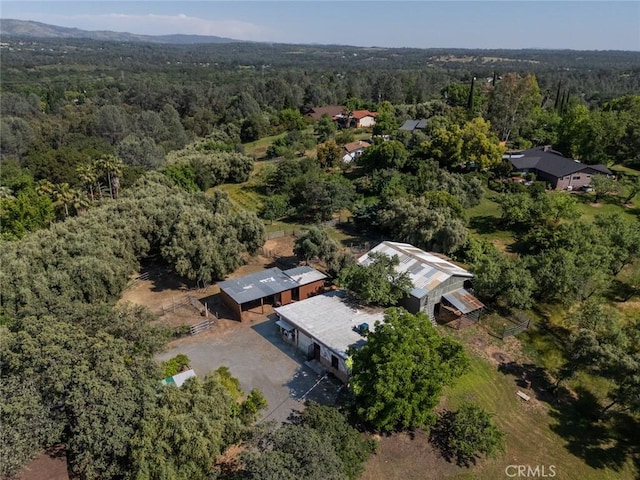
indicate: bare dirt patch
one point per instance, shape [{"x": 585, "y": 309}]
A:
[
  {"x": 407, "y": 456},
  {"x": 167, "y": 294},
  {"x": 50, "y": 465},
  {"x": 280, "y": 247}
]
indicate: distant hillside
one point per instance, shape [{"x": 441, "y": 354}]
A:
[{"x": 28, "y": 29}]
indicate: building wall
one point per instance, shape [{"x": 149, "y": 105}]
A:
[
  {"x": 285, "y": 297},
  {"x": 230, "y": 303},
  {"x": 311, "y": 289},
  {"x": 305, "y": 346},
  {"x": 575, "y": 181},
  {"x": 304, "y": 343},
  {"x": 348, "y": 157},
  {"x": 326, "y": 355},
  {"x": 544, "y": 177},
  {"x": 411, "y": 304},
  {"x": 366, "y": 122},
  {"x": 435, "y": 296}
]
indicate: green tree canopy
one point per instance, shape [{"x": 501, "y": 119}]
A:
[
  {"x": 182, "y": 435},
  {"x": 467, "y": 434},
  {"x": 398, "y": 375},
  {"x": 391, "y": 154},
  {"x": 329, "y": 154},
  {"x": 315, "y": 242},
  {"x": 377, "y": 283},
  {"x": 317, "y": 444},
  {"x": 429, "y": 221}
]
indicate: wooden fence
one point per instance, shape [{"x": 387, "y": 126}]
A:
[
  {"x": 200, "y": 327},
  {"x": 142, "y": 276},
  {"x": 297, "y": 233},
  {"x": 201, "y": 286},
  {"x": 284, "y": 233},
  {"x": 183, "y": 301}
]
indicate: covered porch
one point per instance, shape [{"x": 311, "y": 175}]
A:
[{"x": 458, "y": 309}]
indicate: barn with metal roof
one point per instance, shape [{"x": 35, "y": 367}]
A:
[
  {"x": 271, "y": 286},
  {"x": 438, "y": 284}
]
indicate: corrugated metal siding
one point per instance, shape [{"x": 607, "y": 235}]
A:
[
  {"x": 463, "y": 300},
  {"x": 435, "y": 296}
]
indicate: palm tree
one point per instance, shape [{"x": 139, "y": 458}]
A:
[
  {"x": 88, "y": 175},
  {"x": 79, "y": 201},
  {"x": 64, "y": 196},
  {"x": 112, "y": 167},
  {"x": 61, "y": 193}
]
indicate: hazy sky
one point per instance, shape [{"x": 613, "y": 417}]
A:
[{"x": 584, "y": 25}]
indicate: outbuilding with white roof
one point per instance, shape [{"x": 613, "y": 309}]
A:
[{"x": 326, "y": 326}]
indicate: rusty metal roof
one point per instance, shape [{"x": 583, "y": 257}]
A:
[
  {"x": 463, "y": 300},
  {"x": 425, "y": 270}
]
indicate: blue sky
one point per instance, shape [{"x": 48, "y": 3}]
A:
[{"x": 581, "y": 25}]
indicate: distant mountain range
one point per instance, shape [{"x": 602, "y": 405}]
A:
[{"x": 28, "y": 29}]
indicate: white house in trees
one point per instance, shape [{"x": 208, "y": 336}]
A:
[{"x": 353, "y": 150}]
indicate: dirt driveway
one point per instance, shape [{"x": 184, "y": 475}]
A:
[{"x": 256, "y": 354}]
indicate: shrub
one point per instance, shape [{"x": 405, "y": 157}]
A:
[{"x": 175, "y": 365}]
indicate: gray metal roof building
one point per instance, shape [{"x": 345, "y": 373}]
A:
[
  {"x": 425, "y": 270},
  {"x": 433, "y": 279},
  {"x": 412, "y": 125},
  {"x": 268, "y": 282}
]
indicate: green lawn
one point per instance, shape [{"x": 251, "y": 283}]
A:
[
  {"x": 589, "y": 210},
  {"x": 484, "y": 220},
  {"x": 541, "y": 432},
  {"x": 537, "y": 433},
  {"x": 258, "y": 149},
  {"x": 625, "y": 170}
]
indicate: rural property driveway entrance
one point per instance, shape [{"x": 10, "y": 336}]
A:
[{"x": 256, "y": 354}]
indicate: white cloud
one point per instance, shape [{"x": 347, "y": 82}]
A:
[{"x": 153, "y": 24}]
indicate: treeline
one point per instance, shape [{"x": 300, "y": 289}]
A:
[
  {"x": 140, "y": 103},
  {"x": 46, "y": 273}
]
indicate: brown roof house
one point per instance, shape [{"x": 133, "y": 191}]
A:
[
  {"x": 334, "y": 111},
  {"x": 439, "y": 286},
  {"x": 353, "y": 150},
  {"x": 550, "y": 166}
]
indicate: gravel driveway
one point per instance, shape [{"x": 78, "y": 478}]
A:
[{"x": 256, "y": 354}]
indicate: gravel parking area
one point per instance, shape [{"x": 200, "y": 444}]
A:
[{"x": 256, "y": 354}]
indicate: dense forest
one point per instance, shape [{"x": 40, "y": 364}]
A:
[{"x": 112, "y": 154}]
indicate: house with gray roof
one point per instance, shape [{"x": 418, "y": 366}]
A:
[
  {"x": 413, "y": 125},
  {"x": 554, "y": 168},
  {"x": 325, "y": 327},
  {"x": 439, "y": 286},
  {"x": 272, "y": 286}
]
